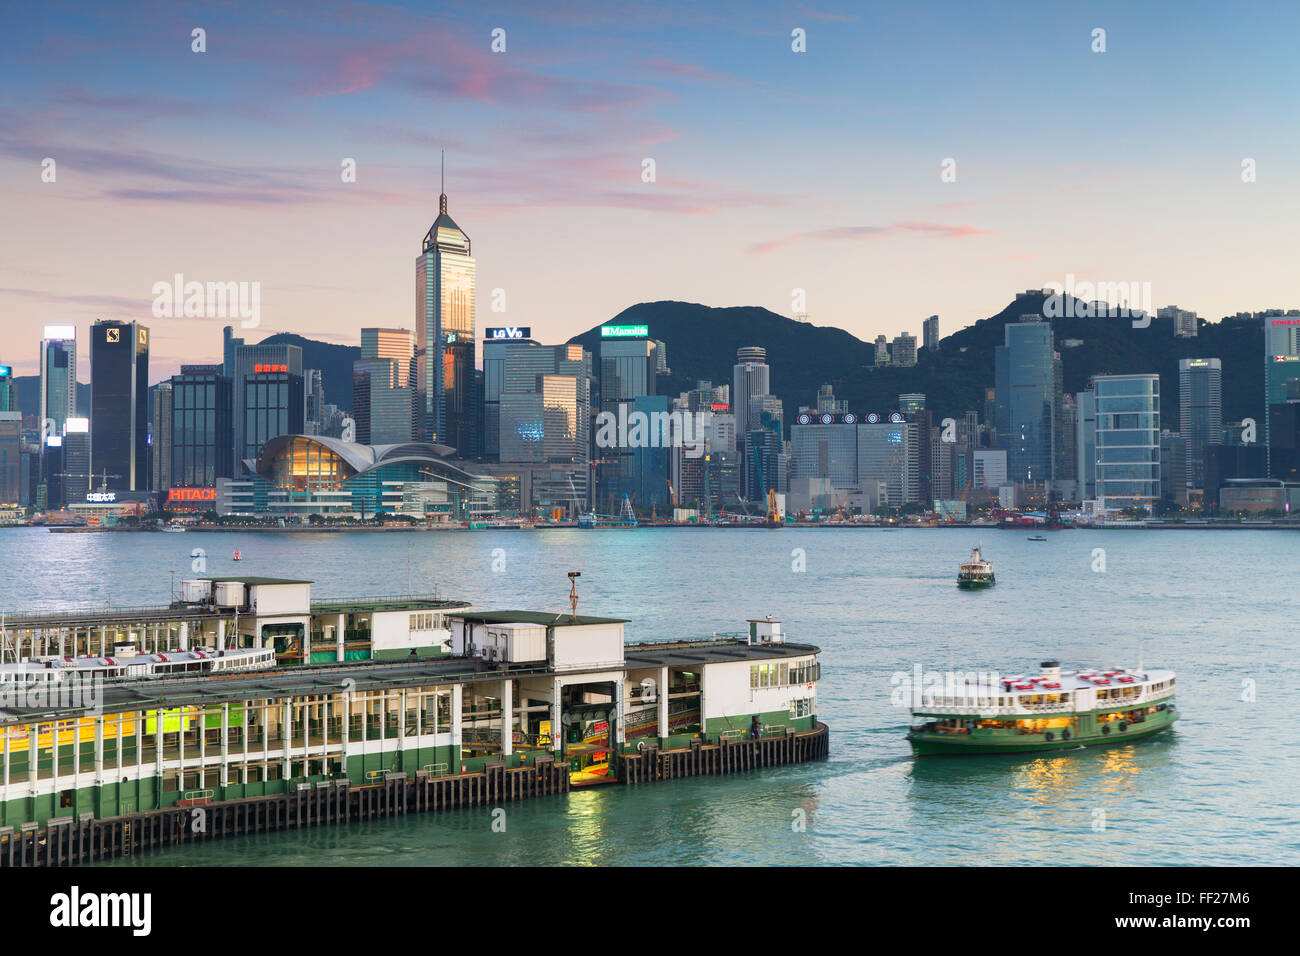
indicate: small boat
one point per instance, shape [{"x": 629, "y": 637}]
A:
[
  {"x": 1058, "y": 710},
  {"x": 1035, "y": 537},
  {"x": 976, "y": 573},
  {"x": 174, "y": 528},
  {"x": 238, "y": 556}
]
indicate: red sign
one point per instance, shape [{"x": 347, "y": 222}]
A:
[
  {"x": 192, "y": 494},
  {"x": 260, "y": 369}
]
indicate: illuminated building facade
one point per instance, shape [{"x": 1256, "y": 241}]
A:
[
  {"x": 303, "y": 475},
  {"x": 445, "y": 276}
]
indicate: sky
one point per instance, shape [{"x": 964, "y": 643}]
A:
[{"x": 911, "y": 159}]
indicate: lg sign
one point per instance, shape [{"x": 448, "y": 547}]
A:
[{"x": 509, "y": 332}]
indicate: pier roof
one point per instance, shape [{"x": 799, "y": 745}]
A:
[
  {"x": 684, "y": 654},
  {"x": 549, "y": 618},
  {"x": 252, "y": 579},
  {"x": 296, "y": 682}
]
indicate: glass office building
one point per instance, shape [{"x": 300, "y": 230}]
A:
[
  {"x": 1086, "y": 443},
  {"x": 382, "y": 398},
  {"x": 1028, "y": 400},
  {"x": 445, "y": 276},
  {"x": 58, "y": 377},
  {"x": 201, "y": 427},
  {"x": 273, "y": 406},
  {"x": 627, "y": 372},
  {"x": 824, "y": 450},
  {"x": 119, "y": 404},
  {"x": 243, "y": 361},
  {"x": 1200, "y": 413},
  {"x": 888, "y": 461},
  {"x": 1128, "y": 440},
  {"x": 160, "y": 435}
]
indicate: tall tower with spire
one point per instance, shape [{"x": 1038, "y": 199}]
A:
[{"x": 445, "y": 275}]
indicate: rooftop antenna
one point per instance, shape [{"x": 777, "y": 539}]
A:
[
  {"x": 573, "y": 593},
  {"x": 442, "y": 198}
]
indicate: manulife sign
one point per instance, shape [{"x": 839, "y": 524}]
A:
[{"x": 624, "y": 331}]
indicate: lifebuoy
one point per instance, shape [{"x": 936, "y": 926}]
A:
[
  {"x": 1105, "y": 728},
  {"x": 1123, "y": 725},
  {"x": 1065, "y": 735},
  {"x": 1051, "y": 736}
]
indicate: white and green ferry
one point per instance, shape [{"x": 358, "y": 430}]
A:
[{"x": 1055, "y": 710}]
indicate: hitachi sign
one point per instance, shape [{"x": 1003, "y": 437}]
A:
[{"x": 509, "y": 332}]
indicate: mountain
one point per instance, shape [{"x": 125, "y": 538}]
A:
[
  {"x": 702, "y": 343},
  {"x": 333, "y": 361}
]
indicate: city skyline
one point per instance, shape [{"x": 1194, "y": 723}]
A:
[{"x": 217, "y": 165}]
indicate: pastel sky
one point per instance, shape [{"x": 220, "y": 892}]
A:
[{"x": 775, "y": 170}]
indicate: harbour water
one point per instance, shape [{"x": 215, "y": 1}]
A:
[{"x": 1214, "y": 606}]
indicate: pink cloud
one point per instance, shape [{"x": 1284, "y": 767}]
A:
[
  {"x": 868, "y": 233},
  {"x": 690, "y": 71}
]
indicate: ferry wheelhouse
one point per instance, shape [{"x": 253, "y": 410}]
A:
[
  {"x": 977, "y": 572},
  {"x": 1055, "y": 710}
]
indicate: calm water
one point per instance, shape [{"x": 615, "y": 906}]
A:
[{"x": 1215, "y": 606}]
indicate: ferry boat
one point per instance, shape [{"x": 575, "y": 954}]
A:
[
  {"x": 1057, "y": 710},
  {"x": 977, "y": 572}
]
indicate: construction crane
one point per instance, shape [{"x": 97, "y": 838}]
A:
[{"x": 103, "y": 480}]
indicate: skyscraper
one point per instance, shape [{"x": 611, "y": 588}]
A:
[
  {"x": 119, "y": 404},
  {"x": 273, "y": 406},
  {"x": 1281, "y": 365},
  {"x": 627, "y": 372},
  {"x": 445, "y": 275},
  {"x": 242, "y": 363},
  {"x": 1086, "y": 443},
  {"x": 160, "y": 436},
  {"x": 58, "y": 378},
  {"x": 8, "y": 394},
  {"x": 1128, "y": 440},
  {"x": 750, "y": 377},
  {"x": 1200, "y": 413},
  {"x": 383, "y": 401},
  {"x": 11, "y": 457},
  {"x": 930, "y": 334},
  {"x": 201, "y": 441},
  {"x": 1028, "y": 399}
]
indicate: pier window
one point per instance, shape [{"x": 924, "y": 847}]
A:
[{"x": 783, "y": 674}]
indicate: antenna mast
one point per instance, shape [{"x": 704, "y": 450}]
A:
[{"x": 573, "y": 593}]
